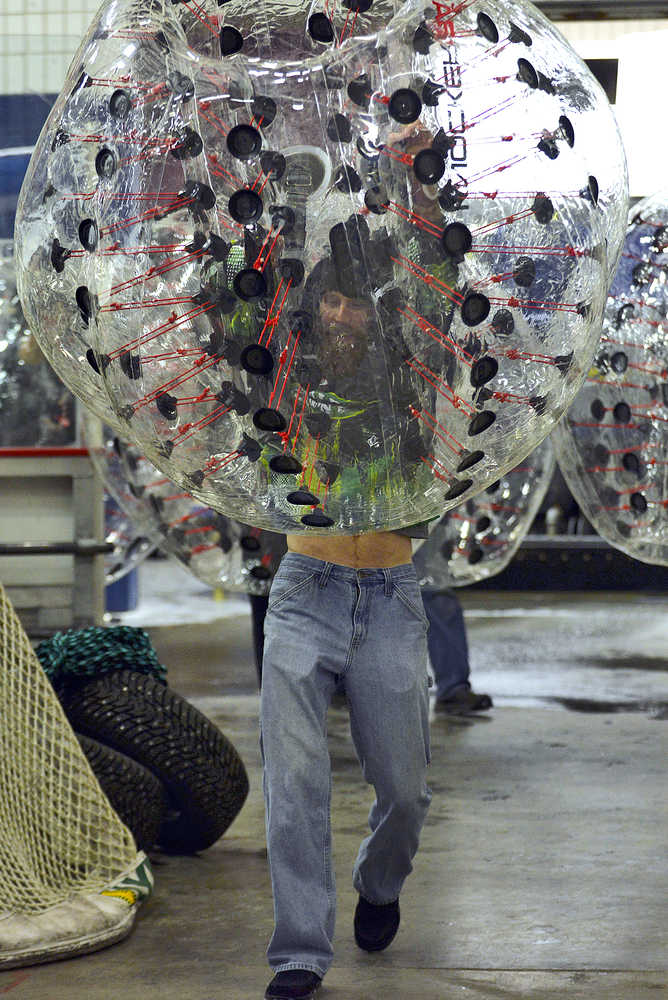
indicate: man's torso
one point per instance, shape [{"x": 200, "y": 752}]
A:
[{"x": 374, "y": 550}]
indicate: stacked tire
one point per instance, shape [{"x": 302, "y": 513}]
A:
[{"x": 171, "y": 775}]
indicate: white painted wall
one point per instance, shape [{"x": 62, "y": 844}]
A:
[
  {"x": 642, "y": 91},
  {"x": 37, "y": 41},
  {"x": 580, "y": 33}
]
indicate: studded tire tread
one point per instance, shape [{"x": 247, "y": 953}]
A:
[
  {"x": 202, "y": 773},
  {"x": 135, "y": 794}
]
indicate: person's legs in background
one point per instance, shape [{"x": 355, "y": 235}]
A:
[
  {"x": 449, "y": 655},
  {"x": 259, "y": 604}
]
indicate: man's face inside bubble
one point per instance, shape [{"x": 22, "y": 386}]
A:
[{"x": 346, "y": 326}]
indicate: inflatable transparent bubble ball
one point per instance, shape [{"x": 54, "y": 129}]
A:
[
  {"x": 336, "y": 273},
  {"x": 131, "y": 547},
  {"x": 35, "y": 408},
  {"x": 218, "y": 551},
  {"x": 612, "y": 446},
  {"x": 52, "y": 267},
  {"x": 479, "y": 538}
]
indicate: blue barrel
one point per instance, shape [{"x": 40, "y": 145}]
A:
[{"x": 123, "y": 594}]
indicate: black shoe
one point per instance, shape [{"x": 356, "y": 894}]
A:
[
  {"x": 376, "y": 926},
  {"x": 293, "y": 984},
  {"x": 463, "y": 702}
]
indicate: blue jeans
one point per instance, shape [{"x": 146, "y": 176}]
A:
[
  {"x": 367, "y": 627},
  {"x": 448, "y": 648}
]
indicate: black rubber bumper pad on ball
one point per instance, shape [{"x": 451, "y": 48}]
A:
[
  {"x": 135, "y": 794},
  {"x": 202, "y": 773}
]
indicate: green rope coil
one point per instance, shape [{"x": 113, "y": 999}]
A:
[{"x": 92, "y": 651}]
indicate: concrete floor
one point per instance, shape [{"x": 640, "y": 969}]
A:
[{"x": 542, "y": 869}]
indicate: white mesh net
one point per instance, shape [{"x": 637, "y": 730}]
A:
[{"x": 59, "y": 836}]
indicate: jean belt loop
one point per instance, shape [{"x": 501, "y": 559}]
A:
[
  {"x": 389, "y": 585},
  {"x": 324, "y": 576}
]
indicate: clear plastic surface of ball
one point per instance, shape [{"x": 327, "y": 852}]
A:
[
  {"x": 217, "y": 550},
  {"x": 52, "y": 239},
  {"x": 479, "y": 538},
  {"x": 131, "y": 547},
  {"x": 337, "y": 273},
  {"x": 612, "y": 446},
  {"x": 36, "y": 410}
]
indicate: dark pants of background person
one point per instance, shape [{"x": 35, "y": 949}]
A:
[
  {"x": 259, "y": 603},
  {"x": 448, "y": 648},
  {"x": 328, "y": 624}
]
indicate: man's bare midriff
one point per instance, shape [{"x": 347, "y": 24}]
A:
[{"x": 378, "y": 550}]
